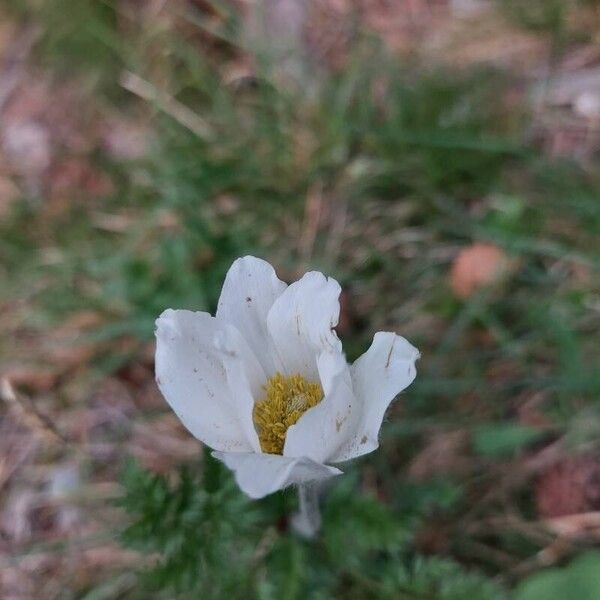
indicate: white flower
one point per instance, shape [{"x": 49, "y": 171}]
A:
[{"x": 265, "y": 384}]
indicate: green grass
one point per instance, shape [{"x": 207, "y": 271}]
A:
[{"x": 418, "y": 161}]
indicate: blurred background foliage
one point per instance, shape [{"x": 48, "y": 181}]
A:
[{"x": 439, "y": 158}]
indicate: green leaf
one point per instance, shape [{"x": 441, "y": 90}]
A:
[
  {"x": 438, "y": 579},
  {"x": 503, "y": 439},
  {"x": 580, "y": 579}
]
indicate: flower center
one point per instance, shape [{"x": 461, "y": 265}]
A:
[{"x": 286, "y": 399}]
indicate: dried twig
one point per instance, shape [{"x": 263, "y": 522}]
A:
[
  {"x": 179, "y": 112},
  {"x": 30, "y": 414}
]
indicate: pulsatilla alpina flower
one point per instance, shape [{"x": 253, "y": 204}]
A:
[{"x": 266, "y": 385}]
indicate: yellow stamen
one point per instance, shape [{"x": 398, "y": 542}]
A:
[{"x": 286, "y": 399}]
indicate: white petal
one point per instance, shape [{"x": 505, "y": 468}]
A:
[
  {"x": 322, "y": 430},
  {"x": 301, "y": 323},
  {"x": 191, "y": 374},
  {"x": 245, "y": 377},
  {"x": 381, "y": 373},
  {"x": 261, "y": 474},
  {"x": 332, "y": 366},
  {"x": 249, "y": 291}
]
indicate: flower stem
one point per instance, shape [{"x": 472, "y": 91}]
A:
[{"x": 307, "y": 520}]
